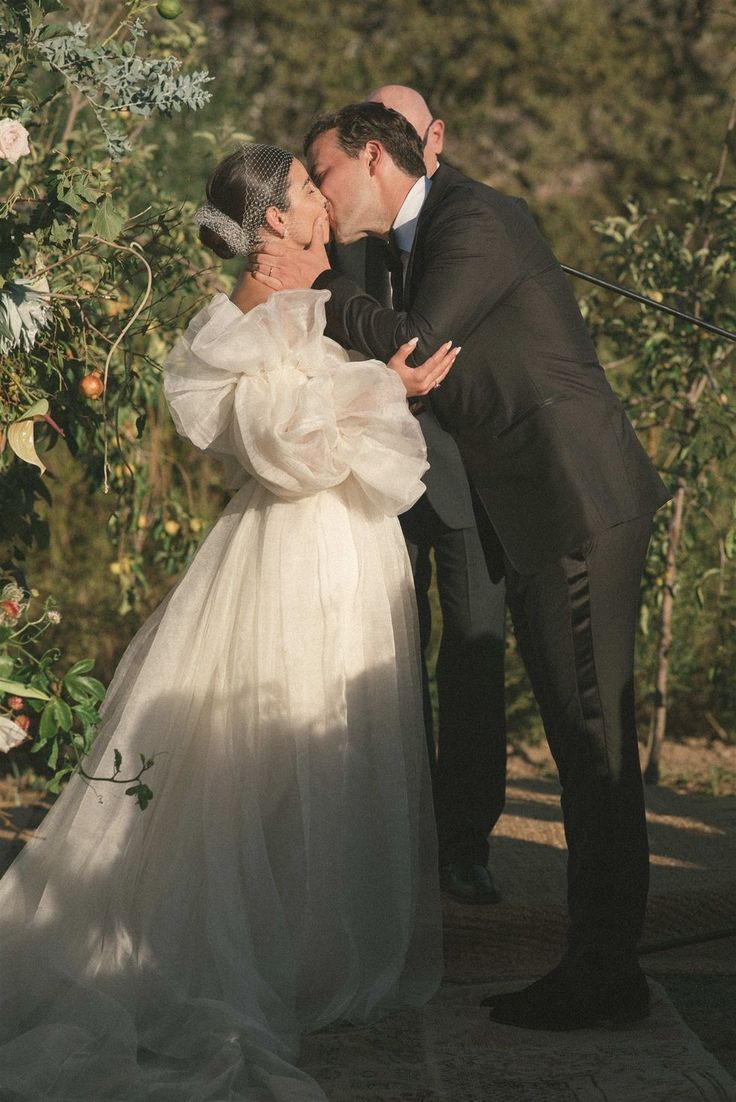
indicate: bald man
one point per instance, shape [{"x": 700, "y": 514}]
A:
[{"x": 470, "y": 766}]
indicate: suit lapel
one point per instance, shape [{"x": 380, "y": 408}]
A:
[{"x": 443, "y": 178}]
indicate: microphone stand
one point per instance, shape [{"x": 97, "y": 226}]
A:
[{"x": 619, "y": 290}]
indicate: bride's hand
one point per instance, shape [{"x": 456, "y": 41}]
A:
[
  {"x": 424, "y": 378},
  {"x": 285, "y": 266}
]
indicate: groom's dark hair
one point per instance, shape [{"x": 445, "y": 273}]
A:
[{"x": 359, "y": 123}]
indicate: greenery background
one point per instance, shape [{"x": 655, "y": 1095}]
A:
[{"x": 580, "y": 106}]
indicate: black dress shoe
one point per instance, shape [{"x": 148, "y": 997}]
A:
[
  {"x": 468, "y": 883},
  {"x": 574, "y": 998}
]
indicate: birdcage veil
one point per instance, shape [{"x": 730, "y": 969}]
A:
[{"x": 268, "y": 168}]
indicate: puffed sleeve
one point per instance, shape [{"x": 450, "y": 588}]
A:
[{"x": 270, "y": 396}]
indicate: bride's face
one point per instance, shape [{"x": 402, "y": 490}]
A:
[{"x": 306, "y": 204}]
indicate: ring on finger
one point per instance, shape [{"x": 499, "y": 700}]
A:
[{"x": 436, "y": 385}]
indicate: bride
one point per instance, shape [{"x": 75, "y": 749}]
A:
[{"x": 284, "y": 876}]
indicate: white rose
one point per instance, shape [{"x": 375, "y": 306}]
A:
[
  {"x": 10, "y": 734},
  {"x": 13, "y": 140}
]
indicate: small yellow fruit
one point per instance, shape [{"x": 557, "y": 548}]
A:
[
  {"x": 143, "y": 521},
  {"x": 168, "y": 9},
  {"x": 171, "y": 527},
  {"x": 196, "y": 524},
  {"x": 115, "y": 568}
]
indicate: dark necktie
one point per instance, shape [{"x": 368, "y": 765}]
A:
[
  {"x": 396, "y": 269},
  {"x": 395, "y": 265}
]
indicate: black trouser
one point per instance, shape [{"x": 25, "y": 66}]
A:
[
  {"x": 469, "y": 768},
  {"x": 575, "y": 622}
]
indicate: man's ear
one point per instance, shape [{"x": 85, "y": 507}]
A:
[
  {"x": 374, "y": 154},
  {"x": 436, "y": 136},
  {"x": 274, "y": 219}
]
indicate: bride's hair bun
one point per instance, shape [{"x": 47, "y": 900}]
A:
[
  {"x": 239, "y": 192},
  {"x": 215, "y": 244}
]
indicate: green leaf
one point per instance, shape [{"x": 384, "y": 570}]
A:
[
  {"x": 118, "y": 759},
  {"x": 87, "y": 713},
  {"x": 107, "y": 222},
  {"x": 6, "y": 664},
  {"x": 83, "y": 666},
  {"x": 18, "y": 689},
  {"x": 61, "y": 232},
  {"x": 88, "y": 737},
  {"x": 57, "y": 715},
  {"x": 75, "y": 689},
  {"x": 49, "y": 725},
  {"x": 71, "y": 197},
  {"x": 83, "y": 689},
  {"x": 36, "y": 410},
  {"x": 64, "y": 713},
  {"x": 53, "y": 785},
  {"x": 142, "y": 793},
  {"x": 53, "y": 756}
]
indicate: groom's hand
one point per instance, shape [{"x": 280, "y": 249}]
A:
[{"x": 285, "y": 266}]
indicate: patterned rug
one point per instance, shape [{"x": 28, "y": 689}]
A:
[{"x": 451, "y": 1052}]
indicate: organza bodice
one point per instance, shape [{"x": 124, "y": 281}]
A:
[{"x": 273, "y": 398}]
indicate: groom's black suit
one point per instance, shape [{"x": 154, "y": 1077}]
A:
[
  {"x": 469, "y": 774},
  {"x": 564, "y": 494}
]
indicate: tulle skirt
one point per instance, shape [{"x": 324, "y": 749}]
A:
[{"x": 284, "y": 875}]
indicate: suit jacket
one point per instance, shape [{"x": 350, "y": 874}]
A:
[
  {"x": 545, "y": 441},
  {"x": 447, "y": 484}
]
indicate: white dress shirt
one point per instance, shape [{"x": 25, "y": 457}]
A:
[{"x": 405, "y": 223}]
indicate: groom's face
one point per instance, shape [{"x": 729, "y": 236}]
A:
[{"x": 347, "y": 185}]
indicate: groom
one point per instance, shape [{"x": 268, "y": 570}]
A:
[
  {"x": 563, "y": 493},
  {"x": 469, "y": 774}
]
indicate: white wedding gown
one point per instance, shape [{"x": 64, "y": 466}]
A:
[{"x": 284, "y": 875}]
